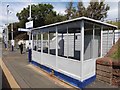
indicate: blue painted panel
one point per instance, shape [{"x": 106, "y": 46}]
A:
[
  {"x": 42, "y": 66},
  {"x": 46, "y": 68},
  {"x": 66, "y": 78},
  {"x": 35, "y": 63},
  {"x": 71, "y": 80},
  {"x": 88, "y": 81}
]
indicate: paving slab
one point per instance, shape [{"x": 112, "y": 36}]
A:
[{"x": 26, "y": 78}]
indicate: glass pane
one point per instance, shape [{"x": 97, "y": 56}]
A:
[
  {"x": 39, "y": 42},
  {"x": 69, "y": 40},
  {"x": 88, "y": 37},
  {"x": 74, "y": 37},
  {"x": 45, "y": 42},
  {"x": 88, "y": 41},
  {"x": 34, "y": 42},
  {"x": 97, "y": 42},
  {"x": 52, "y": 36},
  {"x": 62, "y": 42}
]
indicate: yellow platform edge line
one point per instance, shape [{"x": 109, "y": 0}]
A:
[{"x": 10, "y": 78}]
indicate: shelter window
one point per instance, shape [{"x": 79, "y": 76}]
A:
[
  {"x": 88, "y": 41},
  {"x": 62, "y": 42},
  {"x": 39, "y": 42},
  {"x": 34, "y": 42},
  {"x": 69, "y": 40},
  {"x": 97, "y": 41},
  {"x": 45, "y": 42},
  {"x": 52, "y": 41}
]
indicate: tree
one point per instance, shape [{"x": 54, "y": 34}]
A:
[
  {"x": 97, "y": 10},
  {"x": 42, "y": 14},
  {"x": 70, "y": 10},
  {"x": 81, "y": 9},
  {"x": 53, "y": 18}
]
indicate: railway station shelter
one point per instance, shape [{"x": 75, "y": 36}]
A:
[{"x": 69, "y": 49}]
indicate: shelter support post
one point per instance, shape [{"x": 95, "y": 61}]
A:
[
  {"x": 29, "y": 40},
  {"x": 101, "y": 41},
  {"x": 107, "y": 40},
  {"x": 32, "y": 42},
  {"x": 36, "y": 41},
  {"x": 48, "y": 43},
  {"x": 74, "y": 44},
  {"x": 82, "y": 48},
  {"x": 93, "y": 40},
  {"x": 29, "y": 51},
  {"x": 56, "y": 45},
  {"x": 67, "y": 43},
  {"x": 41, "y": 42}
]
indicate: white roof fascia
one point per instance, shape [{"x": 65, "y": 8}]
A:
[{"x": 71, "y": 20}]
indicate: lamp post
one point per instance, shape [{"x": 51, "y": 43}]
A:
[
  {"x": 30, "y": 18},
  {"x": 12, "y": 39},
  {"x": 29, "y": 51},
  {"x": 12, "y": 31},
  {"x": 7, "y": 32}
]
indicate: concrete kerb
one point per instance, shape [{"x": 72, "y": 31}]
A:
[{"x": 11, "y": 80}]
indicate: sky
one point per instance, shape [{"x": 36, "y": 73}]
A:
[{"x": 59, "y": 6}]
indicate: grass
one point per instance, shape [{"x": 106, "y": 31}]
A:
[{"x": 116, "y": 55}]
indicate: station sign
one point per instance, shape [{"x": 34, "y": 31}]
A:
[
  {"x": 29, "y": 24},
  {"x": 24, "y": 30}
]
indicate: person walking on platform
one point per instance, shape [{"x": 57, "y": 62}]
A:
[
  {"x": 20, "y": 43},
  {"x": 21, "y": 48}
]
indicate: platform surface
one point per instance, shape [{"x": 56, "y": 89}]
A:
[
  {"x": 30, "y": 76},
  {"x": 23, "y": 71}
]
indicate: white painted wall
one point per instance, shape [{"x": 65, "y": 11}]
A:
[
  {"x": 69, "y": 67},
  {"x": 36, "y": 56},
  {"x": 117, "y": 35},
  {"x": 108, "y": 38},
  {"x": 89, "y": 68},
  {"x": 48, "y": 60}
]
